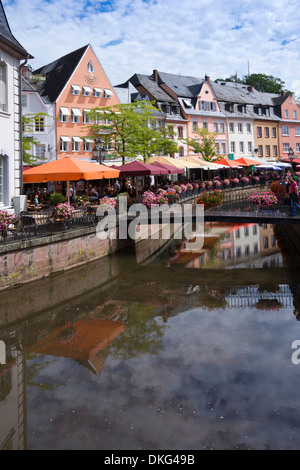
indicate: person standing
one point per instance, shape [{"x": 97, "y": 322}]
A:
[{"x": 293, "y": 195}]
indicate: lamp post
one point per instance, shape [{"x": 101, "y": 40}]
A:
[
  {"x": 291, "y": 157},
  {"x": 99, "y": 151}
]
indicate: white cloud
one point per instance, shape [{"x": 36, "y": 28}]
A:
[{"x": 176, "y": 36}]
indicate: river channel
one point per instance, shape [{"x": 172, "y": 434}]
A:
[{"x": 158, "y": 348}]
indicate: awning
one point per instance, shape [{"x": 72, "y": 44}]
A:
[
  {"x": 187, "y": 103},
  {"x": 65, "y": 139},
  {"x": 98, "y": 90},
  {"x": 64, "y": 111},
  {"x": 75, "y": 87},
  {"x": 76, "y": 111},
  {"x": 89, "y": 140},
  {"x": 108, "y": 91},
  {"x": 87, "y": 89},
  {"x": 77, "y": 139}
]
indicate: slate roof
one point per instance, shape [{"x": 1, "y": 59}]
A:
[
  {"x": 152, "y": 88},
  {"x": 26, "y": 86},
  {"x": 7, "y": 38},
  {"x": 58, "y": 74},
  {"x": 182, "y": 85}
]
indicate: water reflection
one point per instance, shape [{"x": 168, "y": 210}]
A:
[{"x": 177, "y": 351}]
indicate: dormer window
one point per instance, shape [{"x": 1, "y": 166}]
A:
[
  {"x": 75, "y": 89},
  {"x": 86, "y": 91},
  {"x": 242, "y": 108},
  {"x": 90, "y": 67},
  {"x": 229, "y": 107}
]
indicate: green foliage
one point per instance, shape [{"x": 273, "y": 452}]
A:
[
  {"x": 204, "y": 144},
  {"x": 29, "y": 141},
  {"x": 132, "y": 128},
  {"x": 261, "y": 82},
  {"x": 56, "y": 198}
]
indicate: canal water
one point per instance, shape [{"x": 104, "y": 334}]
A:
[{"x": 160, "y": 348}]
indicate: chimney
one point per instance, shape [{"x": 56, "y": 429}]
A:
[
  {"x": 155, "y": 75},
  {"x": 207, "y": 79},
  {"x": 283, "y": 93},
  {"x": 250, "y": 88}
]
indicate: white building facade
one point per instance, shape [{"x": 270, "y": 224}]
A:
[{"x": 11, "y": 56}]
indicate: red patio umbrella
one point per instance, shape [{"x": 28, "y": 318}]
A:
[
  {"x": 137, "y": 168},
  {"x": 171, "y": 169}
]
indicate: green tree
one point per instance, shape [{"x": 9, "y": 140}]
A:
[
  {"x": 261, "y": 82},
  {"x": 204, "y": 144},
  {"x": 132, "y": 128}
]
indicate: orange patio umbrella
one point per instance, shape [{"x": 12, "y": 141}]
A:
[
  {"x": 225, "y": 161},
  {"x": 248, "y": 161},
  {"x": 68, "y": 169}
]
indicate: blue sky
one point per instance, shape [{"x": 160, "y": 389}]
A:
[{"x": 185, "y": 37}]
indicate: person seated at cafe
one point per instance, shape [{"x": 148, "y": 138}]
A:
[{"x": 94, "y": 194}]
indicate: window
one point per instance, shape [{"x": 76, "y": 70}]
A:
[
  {"x": 259, "y": 134},
  {"x": 237, "y": 233},
  {"x": 75, "y": 89},
  {"x": 255, "y": 248},
  {"x": 260, "y": 151},
  {"x": 232, "y": 147},
  {"x": 267, "y": 150},
  {"x": 86, "y": 91},
  {"x": 76, "y": 144},
  {"x": 266, "y": 242},
  {"x": 180, "y": 132},
  {"x": 64, "y": 144},
  {"x": 267, "y": 111},
  {"x": 286, "y": 113},
  {"x": 241, "y": 147},
  {"x": 274, "y": 150},
  {"x": 1, "y": 181},
  {"x": 285, "y": 130},
  {"x": 297, "y": 147},
  {"x": 238, "y": 252},
  {"x": 242, "y": 108},
  {"x": 87, "y": 145},
  {"x": 217, "y": 148},
  {"x": 195, "y": 126},
  {"x": 75, "y": 115},
  {"x": 246, "y": 231},
  {"x": 274, "y": 133},
  {"x": 240, "y": 127},
  {"x": 205, "y": 125},
  {"x": 90, "y": 67},
  {"x": 40, "y": 150},
  {"x": 297, "y": 131},
  {"x": 249, "y": 147},
  {"x": 85, "y": 116},
  {"x": 64, "y": 114},
  {"x": 39, "y": 124},
  {"x": 107, "y": 93},
  {"x": 267, "y": 134},
  {"x": 24, "y": 101},
  {"x": 231, "y": 127},
  {"x": 97, "y": 92},
  {"x": 247, "y": 250},
  {"x": 248, "y": 127},
  {"x": 181, "y": 151},
  {"x": 295, "y": 114},
  {"x": 3, "y": 87},
  {"x": 223, "y": 144},
  {"x": 286, "y": 147},
  {"x": 222, "y": 127},
  {"x": 216, "y": 127},
  {"x": 229, "y": 107},
  {"x": 213, "y": 106},
  {"x": 254, "y": 229},
  {"x": 204, "y": 105}
]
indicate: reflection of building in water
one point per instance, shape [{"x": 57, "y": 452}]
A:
[
  {"x": 228, "y": 245},
  {"x": 12, "y": 401}
]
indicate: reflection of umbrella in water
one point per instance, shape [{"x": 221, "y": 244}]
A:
[{"x": 81, "y": 341}]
